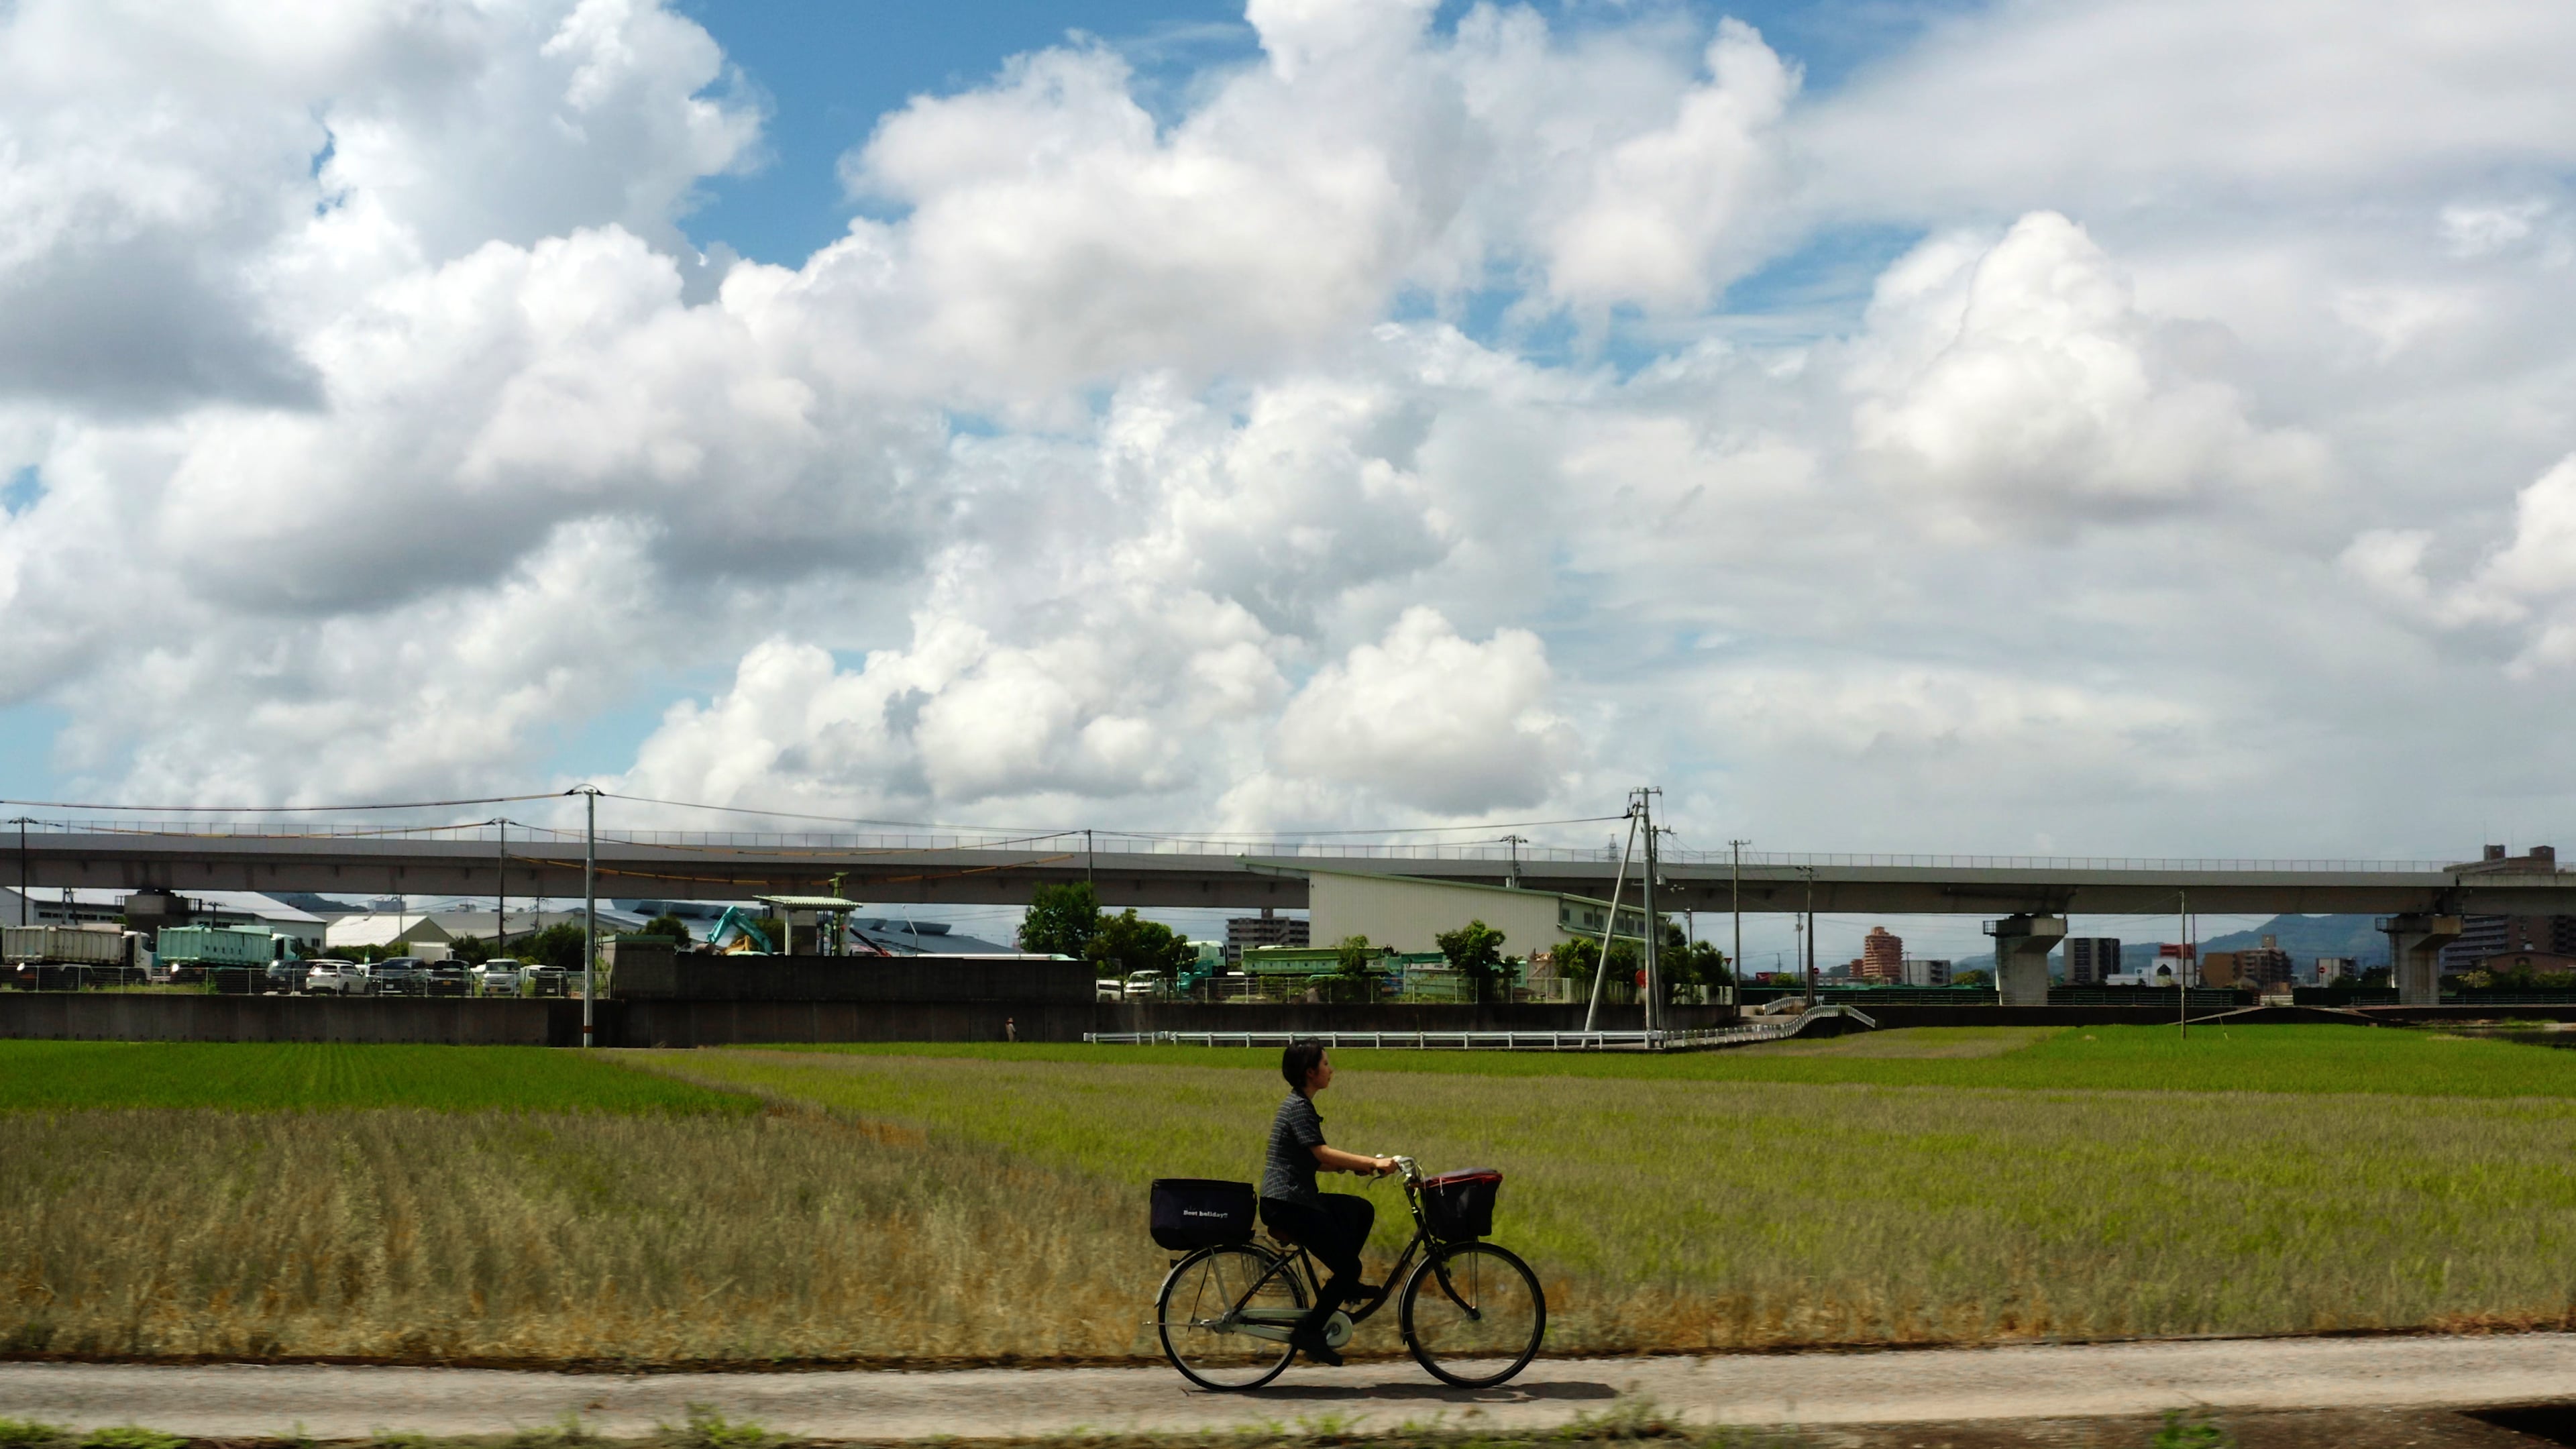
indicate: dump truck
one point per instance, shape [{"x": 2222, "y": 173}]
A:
[
  {"x": 223, "y": 946},
  {"x": 67, "y": 945}
]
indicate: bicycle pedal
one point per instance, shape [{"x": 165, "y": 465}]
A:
[{"x": 1337, "y": 1331}]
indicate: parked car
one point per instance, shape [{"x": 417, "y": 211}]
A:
[
  {"x": 1106, "y": 988},
  {"x": 336, "y": 978},
  {"x": 447, "y": 978},
  {"x": 547, "y": 981},
  {"x": 400, "y": 976},
  {"x": 1143, "y": 984},
  {"x": 498, "y": 977}
]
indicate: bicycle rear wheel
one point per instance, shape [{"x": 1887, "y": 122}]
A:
[
  {"x": 1195, "y": 1314},
  {"x": 1473, "y": 1315}
]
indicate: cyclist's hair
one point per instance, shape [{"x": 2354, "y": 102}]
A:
[{"x": 1299, "y": 1059}]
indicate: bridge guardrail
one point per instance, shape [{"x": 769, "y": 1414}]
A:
[
  {"x": 1289, "y": 848},
  {"x": 1696, "y": 1039}
]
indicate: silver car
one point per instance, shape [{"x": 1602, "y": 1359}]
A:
[
  {"x": 497, "y": 977},
  {"x": 336, "y": 978}
]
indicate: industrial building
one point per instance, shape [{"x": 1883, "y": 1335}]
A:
[
  {"x": 902, "y": 937},
  {"x": 83, "y": 905},
  {"x": 453, "y": 923},
  {"x": 1407, "y": 913}
]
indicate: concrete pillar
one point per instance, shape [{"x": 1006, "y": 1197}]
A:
[
  {"x": 2415, "y": 942},
  {"x": 2022, "y": 944}
]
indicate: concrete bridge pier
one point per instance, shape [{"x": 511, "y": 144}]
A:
[
  {"x": 2022, "y": 944},
  {"x": 2415, "y": 942}
]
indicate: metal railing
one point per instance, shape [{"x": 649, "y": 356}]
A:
[
  {"x": 1098, "y": 843},
  {"x": 1695, "y": 1039}
]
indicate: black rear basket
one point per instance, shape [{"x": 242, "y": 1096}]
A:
[
  {"x": 1461, "y": 1204},
  {"x": 1201, "y": 1212}
]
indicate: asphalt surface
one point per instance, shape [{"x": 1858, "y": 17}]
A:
[{"x": 1923, "y": 1386}]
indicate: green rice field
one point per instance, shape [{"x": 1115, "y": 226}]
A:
[
  {"x": 2299, "y": 1059},
  {"x": 76, "y": 1075},
  {"x": 947, "y": 1204}
]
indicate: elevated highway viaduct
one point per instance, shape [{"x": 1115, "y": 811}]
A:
[{"x": 2028, "y": 898}]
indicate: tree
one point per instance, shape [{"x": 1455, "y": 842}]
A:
[
  {"x": 1685, "y": 962},
  {"x": 1061, "y": 920},
  {"x": 1475, "y": 950},
  {"x": 1127, "y": 942},
  {"x": 556, "y": 945},
  {"x": 1353, "y": 956},
  {"x": 1577, "y": 958},
  {"x": 1973, "y": 978},
  {"x": 1355, "y": 964},
  {"x": 670, "y": 927}
]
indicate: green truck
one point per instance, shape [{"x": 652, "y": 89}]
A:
[{"x": 187, "y": 952}]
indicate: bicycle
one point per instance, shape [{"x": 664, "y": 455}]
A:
[{"x": 1226, "y": 1310}]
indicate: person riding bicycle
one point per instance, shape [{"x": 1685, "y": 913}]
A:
[{"x": 1332, "y": 1226}]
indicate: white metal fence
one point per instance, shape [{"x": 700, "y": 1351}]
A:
[{"x": 1700, "y": 1039}]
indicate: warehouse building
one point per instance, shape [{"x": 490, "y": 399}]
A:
[{"x": 1407, "y": 913}]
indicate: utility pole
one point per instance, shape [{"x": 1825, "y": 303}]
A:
[
  {"x": 1645, "y": 797},
  {"x": 1513, "y": 881},
  {"x": 1811, "y": 938},
  {"x": 589, "y": 903},
  {"x": 500, "y": 886},
  {"x": 22, "y": 822},
  {"x": 1087, "y": 862},
  {"x": 2182, "y": 964},
  {"x": 1735, "y": 996},
  {"x": 1610, "y": 925}
]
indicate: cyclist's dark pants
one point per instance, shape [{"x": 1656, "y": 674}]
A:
[{"x": 1335, "y": 1236}]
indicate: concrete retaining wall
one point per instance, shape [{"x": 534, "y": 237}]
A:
[
  {"x": 750, "y": 1023},
  {"x": 112, "y": 1016},
  {"x": 664, "y": 976}
]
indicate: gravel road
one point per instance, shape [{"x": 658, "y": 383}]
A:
[{"x": 1924, "y": 1386}]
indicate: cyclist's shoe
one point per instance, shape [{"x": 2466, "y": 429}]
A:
[
  {"x": 1361, "y": 1292},
  {"x": 1310, "y": 1342}
]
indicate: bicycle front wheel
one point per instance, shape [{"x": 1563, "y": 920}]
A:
[
  {"x": 1473, "y": 1315},
  {"x": 1207, "y": 1302}
]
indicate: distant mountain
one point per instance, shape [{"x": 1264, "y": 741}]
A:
[{"x": 2304, "y": 937}]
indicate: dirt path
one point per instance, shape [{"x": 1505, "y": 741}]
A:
[{"x": 1944, "y": 1386}]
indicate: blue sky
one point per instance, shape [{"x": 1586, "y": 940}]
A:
[{"x": 830, "y": 68}]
